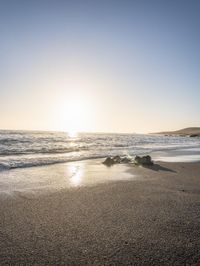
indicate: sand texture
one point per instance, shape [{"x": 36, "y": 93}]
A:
[{"x": 153, "y": 219}]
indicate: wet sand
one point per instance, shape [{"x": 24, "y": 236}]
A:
[{"x": 152, "y": 219}]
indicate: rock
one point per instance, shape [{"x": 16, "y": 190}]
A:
[
  {"x": 137, "y": 160},
  {"x": 125, "y": 160},
  {"x": 108, "y": 161},
  {"x": 117, "y": 159},
  {"x": 194, "y": 135},
  {"x": 144, "y": 160}
]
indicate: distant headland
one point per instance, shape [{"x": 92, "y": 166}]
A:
[{"x": 189, "y": 131}]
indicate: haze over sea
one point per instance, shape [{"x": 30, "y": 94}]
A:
[{"x": 20, "y": 149}]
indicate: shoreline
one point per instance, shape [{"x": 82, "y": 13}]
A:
[
  {"x": 81, "y": 173},
  {"x": 153, "y": 218}
]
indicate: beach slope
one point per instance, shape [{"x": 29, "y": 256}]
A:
[{"x": 153, "y": 219}]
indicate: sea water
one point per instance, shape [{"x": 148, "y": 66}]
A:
[
  {"x": 19, "y": 149},
  {"x": 32, "y": 162}
]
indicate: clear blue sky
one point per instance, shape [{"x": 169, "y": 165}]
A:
[{"x": 129, "y": 66}]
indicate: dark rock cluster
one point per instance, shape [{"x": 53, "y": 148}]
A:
[
  {"x": 143, "y": 160},
  {"x": 116, "y": 159}
]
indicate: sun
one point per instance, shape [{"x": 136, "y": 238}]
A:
[{"x": 73, "y": 116}]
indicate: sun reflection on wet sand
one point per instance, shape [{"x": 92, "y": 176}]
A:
[
  {"x": 76, "y": 173},
  {"x": 88, "y": 173},
  {"x": 60, "y": 176}
]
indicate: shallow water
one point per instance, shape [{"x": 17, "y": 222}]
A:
[
  {"x": 60, "y": 176},
  {"x": 179, "y": 155}
]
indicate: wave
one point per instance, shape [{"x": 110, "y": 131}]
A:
[
  {"x": 42, "y": 151},
  {"x": 42, "y": 162},
  {"x": 11, "y": 162},
  {"x": 26, "y": 149}
]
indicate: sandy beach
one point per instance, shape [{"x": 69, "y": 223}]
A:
[
  {"x": 100, "y": 133},
  {"x": 152, "y": 218}
]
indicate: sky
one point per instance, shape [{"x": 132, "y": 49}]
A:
[{"x": 100, "y": 66}]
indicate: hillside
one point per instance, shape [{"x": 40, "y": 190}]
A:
[{"x": 192, "y": 131}]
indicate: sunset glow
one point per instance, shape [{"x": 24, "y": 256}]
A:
[
  {"x": 73, "y": 115},
  {"x": 99, "y": 66}
]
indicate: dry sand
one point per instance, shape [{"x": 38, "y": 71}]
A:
[{"x": 153, "y": 219}]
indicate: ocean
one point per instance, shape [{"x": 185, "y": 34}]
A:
[{"x": 19, "y": 149}]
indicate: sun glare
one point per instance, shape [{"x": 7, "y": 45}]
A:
[{"x": 73, "y": 116}]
